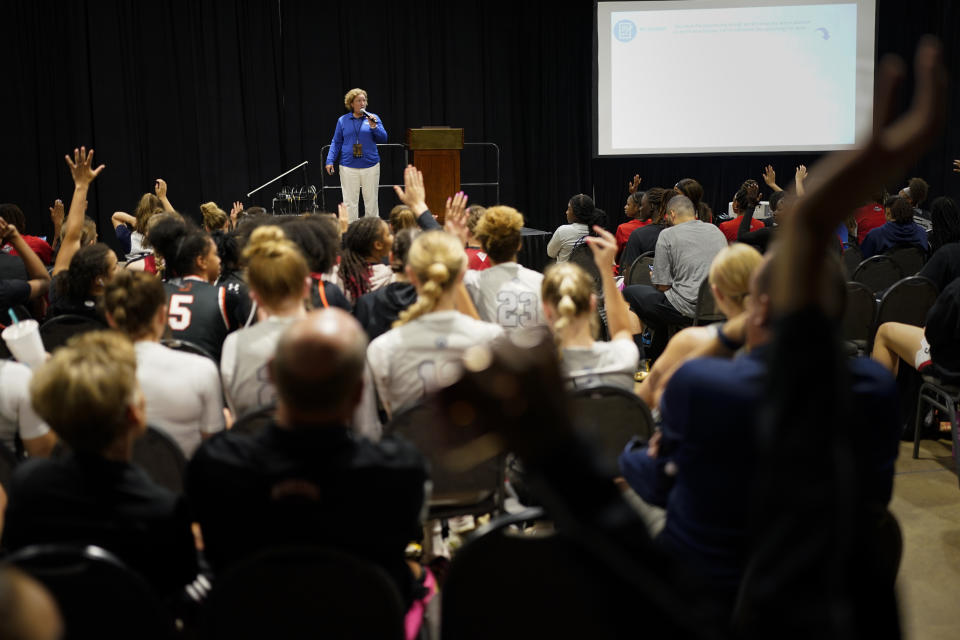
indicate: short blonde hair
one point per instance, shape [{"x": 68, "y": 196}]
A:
[
  {"x": 499, "y": 230},
  {"x": 84, "y": 390},
  {"x": 437, "y": 258},
  {"x": 351, "y": 96},
  {"x": 731, "y": 270},
  {"x": 276, "y": 268}
]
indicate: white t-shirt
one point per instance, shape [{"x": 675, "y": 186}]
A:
[
  {"x": 16, "y": 412},
  {"x": 243, "y": 365},
  {"x": 564, "y": 239},
  {"x": 605, "y": 364},
  {"x": 182, "y": 392},
  {"x": 409, "y": 362},
  {"x": 507, "y": 294}
]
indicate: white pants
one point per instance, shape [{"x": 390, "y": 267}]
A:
[{"x": 352, "y": 181}]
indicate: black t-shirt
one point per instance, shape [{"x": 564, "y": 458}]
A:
[
  {"x": 377, "y": 310},
  {"x": 317, "y": 484},
  {"x": 943, "y": 267},
  {"x": 237, "y": 287},
  {"x": 13, "y": 292},
  {"x": 87, "y": 499},
  {"x": 640, "y": 241},
  {"x": 324, "y": 295},
  {"x": 202, "y": 313},
  {"x": 12, "y": 267}
]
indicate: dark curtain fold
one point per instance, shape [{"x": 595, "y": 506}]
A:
[{"x": 218, "y": 97}]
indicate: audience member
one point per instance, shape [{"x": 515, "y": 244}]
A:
[
  {"x": 182, "y": 390},
  {"x": 13, "y": 215},
  {"x": 199, "y": 312},
  {"x": 401, "y": 217},
  {"x": 745, "y": 198},
  {"x": 279, "y": 281},
  {"x": 943, "y": 267},
  {"x": 214, "y": 218},
  {"x": 644, "y": 239},
  {"x": 477, "y": 258},
  {"x": 306, "y": 478},
  {"x": 871, "y": 215},
  {"x": 88, "y": 393},
  {"x": 378, "y": 310},
  {"x": 916, "y": 194},
  {"x": 231, "y": 273},
  {"x": 132, "y": 230},
  {"x": 582, "y": 216},
  {"x": 365, "y": 244},
  {"x": 693, "y": 190},
  {"x": 18, "y": 419},
  {"x": 77, "y": 290},
  {"x": 730, "y": 274},
  {"x": 570, "y": 308},
  {"x": 507, "y": 293},
  {"x": 680, "y": 264},
  {"x": 318, "y": 239},
  {"x": 15, "y": 291},
  {"x": 900, "y": 231},
  {"x": 638, "y": 211}
]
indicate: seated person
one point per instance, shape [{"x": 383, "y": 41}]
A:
[
  {"x": 916, "y": 194},
  {"x": 582, "y": 215},
  {"x": 306, "y": 478},
  {"x": 401, "y": 217},
  {"x": 570, "y": 307},
  {"x": 899, "y": 231},
  {"x": 745, "y": 198},
  {"x": 644, "y": 239},
  {"x": 78, "y": 289},
  {"x": 477, "y": 259},
  {"x": 199, "y": 312},
  {"x": 30, "y": 281},
  {"x": 13, "y": 215},
  {"x": 278, "y": 277},
  {"x": 88, "y": 393},
  {"x": 638, "y": 211},
  {"x": 214, "y": 218},
  {"x": 507, "y": 293},
  {"x": 681, "y": 262},
  {"x": 730, "y": 275},
  {"x": 422, "y": 352},
  {"x": 943, "y": 267},
  {"x": 378, "y": 310},
  {"x": 318, "y": 238},
  {"x": 231, "y": 274},
  {"x": 870, "y": 216},
  {"x": 701, "y": 465},
  {"x": 17, "y": 417},
  {"x": 365, "y": 245},
  {"x": 182, "y": 390},
  {"x": 131, "y": 230}
]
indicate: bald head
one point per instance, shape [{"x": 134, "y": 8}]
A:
[
  {"x": 680, "y": 209},
  {"x": 318, "y": 365}
]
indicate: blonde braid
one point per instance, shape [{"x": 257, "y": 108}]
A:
[{"x": 437, "y": 258}]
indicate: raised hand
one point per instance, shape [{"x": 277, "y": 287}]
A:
[
  {"x": 160, "y": 188},
  {"x": 770, "y": 178},
  {"x": 634, "y": 184},
  {"x": 57, "y": 213},
  {"x": 343, "y": 217},
  {"x": 413, "y": 193},
  {"x": 8, "y": 232},
  {"x": 798, "y": 179},
  {"x": 234, "y": 212},
  {"x": 455, "y": 217},
  {"x": 81, "y": 167},
  {"x": 604, "y": 248}
]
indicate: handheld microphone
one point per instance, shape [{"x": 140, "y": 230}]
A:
[{"x": 364, "y": 112}]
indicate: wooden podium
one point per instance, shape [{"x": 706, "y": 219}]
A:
[{"x": 436, "y": 152}]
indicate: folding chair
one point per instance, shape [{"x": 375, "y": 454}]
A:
[
  {"x": 936, "y": 392},
  {"x": 255, "y": 421},
  {"x": 188, "y": 347},
  {"x": 878, "y": 273},
  {"x": 56, "y": 331},
  {"x": 707, "y": 310},
  {"x": 859, "y": 312},
  {"x": 162, "y": 458},
  {"x": 640, "y": 271},
  {"x": 608, "y": 417},
  {"x": 909, "y": 258}
]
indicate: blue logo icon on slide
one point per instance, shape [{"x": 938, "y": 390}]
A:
[{"x": 624, "y": 31}]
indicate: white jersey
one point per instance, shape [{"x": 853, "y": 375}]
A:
[
  {"x": 182, "y": 392},
  {"x": 243, "y": 365},
  {"x": 421, "y": 356},
  {"x": 16, "y": 411},
  {"x": 507, "y": 294},
  {"x": 605, "y": 364}
]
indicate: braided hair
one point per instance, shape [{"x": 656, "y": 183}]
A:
[
  {"x": 437, "y": 258},
  {"x": 358, "y": 244}
]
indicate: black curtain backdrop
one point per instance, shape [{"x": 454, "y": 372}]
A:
[{"x": 219, "y": 97}]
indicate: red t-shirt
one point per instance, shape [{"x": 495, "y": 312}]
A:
[
  {"x": 40, "y": 247},
  {"x": 624, "y": 231},
  {"x": 477, "y": 259},
  {"x": 730, "y": 227},
  {"x": 869, "y": 218}
]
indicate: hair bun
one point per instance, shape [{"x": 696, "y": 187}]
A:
[
  {"x": 438, "y": 272},
  {"x": 266, "y": 241}
]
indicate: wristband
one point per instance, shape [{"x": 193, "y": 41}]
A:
[{"x": 725, "y": 340}]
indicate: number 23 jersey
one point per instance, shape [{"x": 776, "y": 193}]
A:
[
  {"x": 202, "y": 313},
  {"x": 507, "y": 294}
]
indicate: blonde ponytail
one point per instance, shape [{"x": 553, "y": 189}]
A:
[
  {"x": 437, "y": 259},
  {"x": 276, "y": 269},
  {"x": 567, "y": 287}
]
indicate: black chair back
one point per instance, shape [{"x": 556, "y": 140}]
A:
[
  {"x": 162, "y": 458},
  {"x": 583, "y": 256},
  {"x": 608, "y": 417},
  {"x": 851, "y": 259},
  {"x": 254, "y": 422},
  {"x": 908, "y": 301},
  {"x": 188, "y": 347},
  {"x": 303, "y": 592},
  {"x": 707, "y": 310},
  {"x": 909, "y": 258},
  {"x": 878, "y": 273},
  {"x": 639, "y": 272},
  {"x": 8, "y": 463},
  {"x": 465, "y": 479},
  {"x": 858, "y": 314},
  {"x": 98, "y": 595},
  {"x": 57, "y": 330}
]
